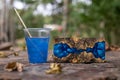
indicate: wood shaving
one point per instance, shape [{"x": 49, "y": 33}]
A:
[
  {"x": 55, "y": 68},
  {"x": 14, "y": 66}
]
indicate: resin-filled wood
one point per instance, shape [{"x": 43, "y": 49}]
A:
[{"x": 75, "y": 50}]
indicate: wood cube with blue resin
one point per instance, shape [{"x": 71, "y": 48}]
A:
[{"x": 75, "y": 50}]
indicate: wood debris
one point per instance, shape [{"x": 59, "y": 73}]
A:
[
  {"x": 6, "y": 54},
  {"x": 114, "y": 48},
  {"x": 14, "y": 66},
  {"x": 55, "y": 68},
  {"x": 3, "y": 55}
]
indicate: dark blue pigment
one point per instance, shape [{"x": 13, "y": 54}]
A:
[
  {"x": 62, "y": 50},
  {"x": 37, "y": 49}
]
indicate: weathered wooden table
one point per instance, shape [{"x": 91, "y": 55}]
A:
[{"x": 94, "y": 71}]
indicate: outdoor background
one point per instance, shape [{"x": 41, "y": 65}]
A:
[{"x": 66, "y": 18}]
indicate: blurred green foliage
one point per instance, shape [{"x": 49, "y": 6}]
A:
[{"x": 88, "y": 20}]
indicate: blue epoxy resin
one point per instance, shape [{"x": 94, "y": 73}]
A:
[
  {"x": 37, "y": 49},
  {"x": 62, "y": 50}
]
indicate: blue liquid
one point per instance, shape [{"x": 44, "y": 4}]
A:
[{"x": 37, "y": 49}]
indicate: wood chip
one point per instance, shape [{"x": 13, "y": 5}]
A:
[
  {"x": 55, "y": 68},
  {"x": 14, "y": 66},
  {"x": 3, "y": 55}
]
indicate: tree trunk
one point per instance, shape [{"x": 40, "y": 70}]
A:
[
  {"x": 65, "y": 14},
  {"x": 11, "y": 26},
  {"x": 101, "y": 34}
]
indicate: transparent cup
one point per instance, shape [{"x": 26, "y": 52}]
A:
[{"x": 37, "y": 42}]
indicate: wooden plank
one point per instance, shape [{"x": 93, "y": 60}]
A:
[
  {"x": 95, "y": 71},
  {"x": 5, "y": 46}
]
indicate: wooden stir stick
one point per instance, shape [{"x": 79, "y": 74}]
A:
[{"x": 22, "y": 22}]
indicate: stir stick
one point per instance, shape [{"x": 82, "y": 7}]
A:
[{"x": 22, "y": 22}]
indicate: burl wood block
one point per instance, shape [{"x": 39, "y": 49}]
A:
[{"x": 76, "y": 50}]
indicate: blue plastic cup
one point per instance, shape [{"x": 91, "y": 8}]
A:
[{"x": 37, "y": 43}]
